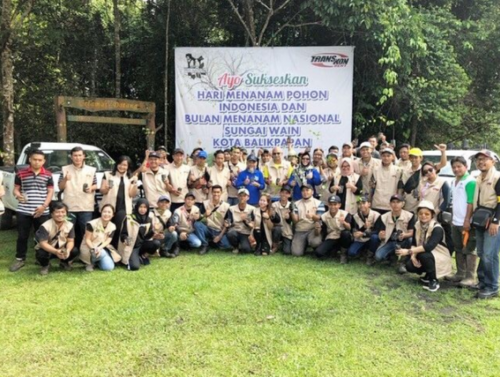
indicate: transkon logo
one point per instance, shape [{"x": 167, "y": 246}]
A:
[{"x": 330, "y": 60}]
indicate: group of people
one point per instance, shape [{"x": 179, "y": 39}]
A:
[{"x": 386, "y": 206}]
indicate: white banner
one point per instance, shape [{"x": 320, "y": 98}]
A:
[{"x": 258, "y": 97}]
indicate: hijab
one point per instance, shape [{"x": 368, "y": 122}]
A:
[
  {"x": 350, "y": 163},
  {"x": 141, "y": 219}
]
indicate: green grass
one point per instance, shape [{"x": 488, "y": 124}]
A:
[{"x": 227, "y": 315}]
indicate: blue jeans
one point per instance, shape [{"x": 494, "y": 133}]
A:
[
  {"x": 104, "y": 261},
  {"x": 169, "y": 240},
  {"x": 357, "y": 246},
  {"x": 389, "y": 248},
  {"x": 487, "y": 251},
  {"x": 193, "y": 241},
  {"x": 206, "y": 234},
  {"x": 80, "y": 220}
]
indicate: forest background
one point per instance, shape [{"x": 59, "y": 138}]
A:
[{"x": 425, "y": 71}]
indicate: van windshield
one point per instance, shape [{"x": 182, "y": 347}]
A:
[{"x": 56, "y": 159}]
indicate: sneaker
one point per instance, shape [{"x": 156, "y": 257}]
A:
[
  {"x": 65, "y": 266},
  {"x": 45, "y": 270},
  {"x": 402, "y": 269},
  {"x": 424, "y": 280},
  {"x": 433, "y": 286},
  {"x": 235, "y": 251},
  {"x": 203, "y": 250},
  {"x": 486, "y": 294},
  {"x": 144, "y": 261},
  {"x": 163, "y": 253},
  {"x": 343, "y": 259},
  {"x": 17, "y": 265},
  {"x": 89, "y": 268},
  {"x": 176, "y": 250}
]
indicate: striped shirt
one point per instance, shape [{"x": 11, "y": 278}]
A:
[{"x": 35, "y": 187}]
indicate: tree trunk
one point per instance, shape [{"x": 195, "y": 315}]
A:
[
  {"x": 118, "y": 70},
  {"x": 7, "y": 85},
  {"x": 414, "y": 129},
  {"x": 250, "y": 19},
  {"x": 167, "y": 28}
]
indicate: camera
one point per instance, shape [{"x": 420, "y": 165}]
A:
[{"x": 395, "y": 235}]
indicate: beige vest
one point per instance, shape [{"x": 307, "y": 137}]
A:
[
  {"x": 276, "y": 172},
  {"x": 216, "y": 219},
  {"x": 286, "y": 228},
  {"x": 432, "y": 192},
  {"x": 234, "y": 170},
  {"x": 238, "y": 223},
  {"x": 74, "y": 197},
  {"x": 371, "y": 219},
  {"x": 62, "y": 233},
  {"x": 387, "y": 179},
  {"x": 360, "y": 166},
  {"x": 268, "y": 230},
  {"x": 178, "y": 179},
  {"x": 195, "y": 173},
  {"x": 185, "y": 218},
  {"x": 324, "y": 189},
  {"x": 159, "y": 219},
  {"x": 404, "y": 165},
  {"x": 441, "y": 254},
  {"x": 351, "y": 204},
  {"x": 401, "y": 224},
  {"x": 411, "y": 202},
  {"x": 133, "y": 230},
  {"x": 219, "y": 177},
  {"x": 154, "y": 186},
  {"x": 305, "y": 207},
  {"x": 485, "y": 190},
  {"x": 99, "y": 236},
  {"x": 333, "y": 224},
  {"x": 111, "y": 196}
]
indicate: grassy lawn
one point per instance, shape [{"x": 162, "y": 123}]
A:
[{"x": 227, "y": 315}]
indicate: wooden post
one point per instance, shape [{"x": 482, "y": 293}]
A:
[
  {"x": 62, "y": 132},
  {"x": 152, "y": 129}
]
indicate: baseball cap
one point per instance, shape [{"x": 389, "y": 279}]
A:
[
  {"x": 387, "y": 150},
  {"x": 252, "y": 157},
  {"x": 365, "y": 144},
  {"x": 416, "y": 152},
  {"x": 162, "y": 148},
  {"x": 286, "y": 188},
  {"x": 397, "y": 197},
  {"x": 426, "y": 204},
  {"x": 154, "y": 155},
  {"x": 202, "y": 154},
  {"x": 189, "y": 194},
  {"x": 363, "y": 199},
  {"x": 485, "y": 152},
  {"x": 164, "y": 197},
  {"x": 347, "y": 145},
  {"x": 243, "y": 191},
  {"x": 178, "y": 150},
  {"x": 334, "y": 199},
  {"x": 307, "y": 185}
]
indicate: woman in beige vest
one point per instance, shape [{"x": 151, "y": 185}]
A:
[
  {"x": 265, "y": 219},
  {"x": 347, "y": 186},
  {"x": 96, "y": 246},
  {"x": 429, "y": 253},
  {"x": 118, "y": 188}
]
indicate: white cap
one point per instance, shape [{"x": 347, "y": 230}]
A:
[
  {"x": 243, "y": 191},
  {"x": 365, "y": 144}
]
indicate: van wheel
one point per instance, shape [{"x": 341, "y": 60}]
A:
[{"x": 6, "y": 220}]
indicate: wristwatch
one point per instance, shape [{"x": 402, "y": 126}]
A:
[{"x": 494, "y": 221}]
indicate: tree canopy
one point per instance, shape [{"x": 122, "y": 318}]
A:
[{"x": 425, "y": 71}]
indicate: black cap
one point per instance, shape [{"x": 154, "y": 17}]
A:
[
  {"x": 307, "y": 185},
  {"x": 397, "y": 197},
  {"x": 153, "y": 155},
  {"x": 178, "y": 150},
  {"x": 363, "y": 199},
  {"x": 334, "y": 199},
  {"x": 189, "y": 194},
  {"x": 162, "y": 148},
  {"x": 286, "y": 188},
  {"x": 252, "y": 157}
]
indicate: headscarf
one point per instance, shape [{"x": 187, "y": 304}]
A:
[
  {"x": 141, "y": 219},
  {"x": 350, "y": 163}
]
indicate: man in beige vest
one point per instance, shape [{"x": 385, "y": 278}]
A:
[
  {"x": 199, "y": 178},
  {"x": 178, "y": 180},
  {"x": 219, "y": 175},
  {"x": 235, "y": 166},
  {"x": 79, "y": 183},
  {"x": 365, "y": 165},
  {"x": 487, "y": 196},
  {"x": 306, "y": 215},
  {"x": 386, "y": 181},
  {"x": 154, "y": 179},
  {"x": 395, "y": 229},
  {"x": 240, "y": 221},
  {"x": 335, "y": 229}
]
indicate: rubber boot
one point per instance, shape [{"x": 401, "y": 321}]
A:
[
  {"x": 470, "y": 272},
  {"x": 461, "y": 265}
]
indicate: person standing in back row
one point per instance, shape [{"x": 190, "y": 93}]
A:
[
  {"x": 78, "y": 181},
  {"x": 33, "y": 188}
]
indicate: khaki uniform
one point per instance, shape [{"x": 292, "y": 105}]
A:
[
  {"x": 133, "y": 230},
  {"x": 366, "y": 167},
  {"x": 441, "y": 254},
  {"x": 334, "y": 226},
  {"x": 99, "y": 235},
  {"x": 216, "y": 219},
  {"x": 371, "y": 218},
  {"x": 219, "y": 177},
  {"x": 238, "y": 224},
  {"x": 153, "y": 185},
  {"x": 185, "y": 219},
  {"x": 387, "y": 179},
  {"x": 232, "y": 191},
  {"x": 57, "y": 236},
  {"x": 178, "y": 179},
  {"x": 74, "y": 197},
  {"x": 351, "y": 204},
  {"x": 485, "y": 190},
  {"x": 160, "y": 220},
  {"x": 286, "y": 227},
  {"x": 111, "y": 196},
  {"x": 195, "y": 173},
  {"x": 324, "y": 189},
  {"x": 432, "y": 192},
  {"x": 412, "y": 199},
  {"x": 305, "y": 207},
  {"x": 401, "y": 223},
  {"x": 276, "y": 172}
]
